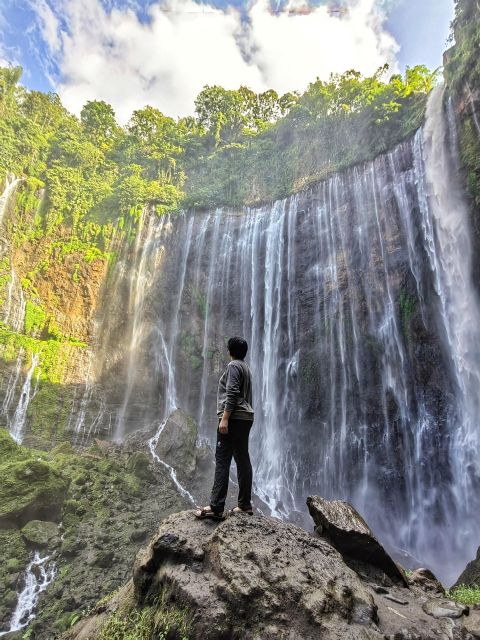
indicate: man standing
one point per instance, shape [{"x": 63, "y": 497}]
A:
[{"x": 235, "y": 413}]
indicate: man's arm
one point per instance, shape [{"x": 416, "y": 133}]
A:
[{"x": 233, "y": 392}]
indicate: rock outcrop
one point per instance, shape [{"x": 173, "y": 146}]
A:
[
  {"x": 177, "y": 442},
  {"x": 339, "y": 523},
  {"x": 257, "y": 578},
  {"x": 470, "y": 576},
  {"x": 30, "y": 490}
]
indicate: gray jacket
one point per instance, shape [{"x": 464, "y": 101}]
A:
[{"x": 235, "y": 391}]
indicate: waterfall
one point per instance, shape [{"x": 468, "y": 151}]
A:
[
  {"x": 356, "y": 300},
  {"x": 447, "y": 233},
  {"x": 38, "y": 576},
  {"x": 14, "y": 311},
  {"x": 17, "y": 423},
  {"x": 12, "y": 384},
  {"x": 11, "y": 183},
  {"x": 139, "y": 282}
]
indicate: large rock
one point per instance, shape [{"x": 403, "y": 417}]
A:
[
  {"x": 39, "y": 533},
  {"x": 30, "y": 490},
  {"x": 472, "y": 623},
  {"x": 176, "y": 444},
  {"x": 347, "y": 531},
  {"x": 470, "y": 576},
  {"x": 254, "y": 577},
  {"x": 426, "y": 580},
  {"x": 442, "y": 608},
  {"x": 257, "y": 578}
]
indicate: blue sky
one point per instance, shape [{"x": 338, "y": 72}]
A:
[{"x": 83, "y": 51}]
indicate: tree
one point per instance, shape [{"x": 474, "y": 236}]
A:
[{"x": 98, "y": 121}]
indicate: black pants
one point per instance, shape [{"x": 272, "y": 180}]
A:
[{"x": 234, "y": 443}]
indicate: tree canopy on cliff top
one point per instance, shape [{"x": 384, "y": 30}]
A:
[{"x": 240, "y": 147}]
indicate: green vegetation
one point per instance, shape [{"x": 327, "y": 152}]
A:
[
  {"x": 30, "y": 486},
  {"x": 87, "y": 492},
  {"x": 98, "y": 176},
  {"x": 462, "y": 71},
  {"x": 239, "y": 152},
  {"x": 158, "y": 621},
  {"x": 465, "y": 595}
]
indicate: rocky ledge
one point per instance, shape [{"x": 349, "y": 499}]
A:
[{"x": 257, "y": 578}]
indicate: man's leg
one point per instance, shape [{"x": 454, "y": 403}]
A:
[
  {"x": 240, "y": 434},
  {"x": 223, "y": 459}
]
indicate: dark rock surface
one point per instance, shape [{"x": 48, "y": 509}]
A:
[
  {"x": 344, "y": 527},
  {"x": 472, "y": 623},
  {"x": 177, "y": 442},
  {"x": 470, "y": 576},
  {"x": 257, "y": 578},
  {"x": 426, "y": 580}
]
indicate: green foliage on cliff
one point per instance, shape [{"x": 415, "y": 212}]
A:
[
  {"x": 334, "y": 124},
  {"x": 462, "y": 61},
  {"x": 85, "y": 181},
  {"x": 240, "y": 146},
  {"x": 462, "y": 71}
]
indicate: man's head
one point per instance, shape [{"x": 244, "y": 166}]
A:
[{"x": 237, "y": 347}]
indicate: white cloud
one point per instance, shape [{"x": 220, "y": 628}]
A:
[
  {"x": 166, "y": 60},
  {"x": 49, "y": 25}
]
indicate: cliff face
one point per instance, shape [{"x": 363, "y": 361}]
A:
[
  {"x": 343, "y": 294},
  {"x": 350, "y": 316}
]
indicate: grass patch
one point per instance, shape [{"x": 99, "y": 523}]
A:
[
  {"x": 465, "y": 594},
  {"x": 159, "y": 621}
]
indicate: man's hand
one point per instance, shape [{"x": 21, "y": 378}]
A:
[{"x": 223, "y": 426}]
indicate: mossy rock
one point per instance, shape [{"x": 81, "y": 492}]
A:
[
  {"x": 30, "y": 490},
  {"x": 139, "y": 465},
  {"x": 64, "y": 448},
  {"x": 8, "y": 446},
  {"x": 15, "y": 556},
  {"x": 40, "y": 533}
]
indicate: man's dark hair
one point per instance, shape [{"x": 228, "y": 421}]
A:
[{"x": 237, "y": 348}]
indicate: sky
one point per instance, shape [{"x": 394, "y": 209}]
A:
[{"x": 163, "y": 52}]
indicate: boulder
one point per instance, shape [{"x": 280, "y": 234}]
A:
[
  {"x": 472, "y": 623},
  {"x": 177, "y": 442},
  {"x": 426, "y": 580},
  {"x": 342, "y": 525},
  {"x": 254, "y": 577},
  {"x": 442, "y": 608},
  {"x": 140, "y": 465},
  {"x": 470, "y": 576},
  {"x": 30, "y": 490},
  {"x": 39, "y": 533}
]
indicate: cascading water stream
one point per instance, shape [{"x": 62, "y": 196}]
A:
[
  {"x": 11, "y": 183},
  {"x": 17, "y": 423},
  {"x": 15, "y": 305},
  {"x": 447, "y": 235},
  {"x": 12, "y": 384},
  {"x": 138, "y": 283},
  {"x": 39, "y": 574}
]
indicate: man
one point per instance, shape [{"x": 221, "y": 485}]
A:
[{"x": 235, "y": 413}]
